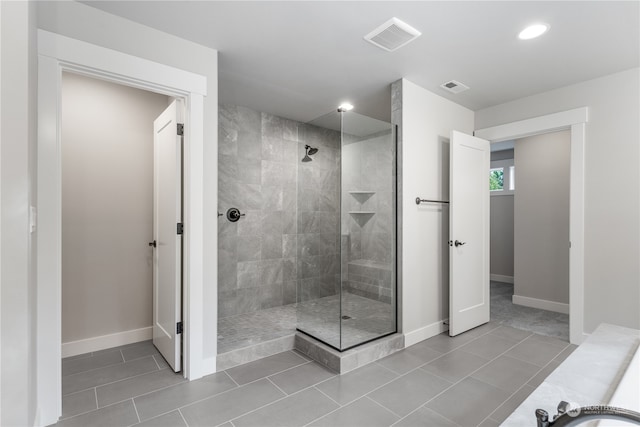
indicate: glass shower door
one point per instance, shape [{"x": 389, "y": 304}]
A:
[
  {"x": 318, "y": 233},
  {"x": 368, "y": 291}
]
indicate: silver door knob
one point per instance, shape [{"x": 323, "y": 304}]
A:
[{"x": 459, "y": 243}]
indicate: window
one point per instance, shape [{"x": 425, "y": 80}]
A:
[
  {"x": 496, "y": 179},
  {"x": 502, "y": 177}
]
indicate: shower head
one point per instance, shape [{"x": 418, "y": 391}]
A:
[{"x": 309, "y": 151}]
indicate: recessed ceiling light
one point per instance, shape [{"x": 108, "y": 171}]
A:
[
  {"x": 533, "y": 31},
  {"x": 345, "y": 106}
]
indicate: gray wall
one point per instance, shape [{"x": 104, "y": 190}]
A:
[
  {"x": 502, "y": 235},
  {"x": 541, "y": 229},
  {"x": 107, "y": 206},
  {"x": 286, "y": 247},
  {"x": 612, "y": 205},
  {"x": 501, "y": 252}
]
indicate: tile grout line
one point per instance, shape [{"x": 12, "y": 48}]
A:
[
  {"x": 93, "y": 369},
  {"x": 331, "y": 398},
  {"x": 149, "y": 392},
  {"x": 231, "y": 378},
  {"x": 424, "y": 405},
  {"x": 136, "y": 409},
  {"x": 88, "y": 412},
  {"x": 383, "y": 407},
  {"x": 182, "y": 416},
  {"x": 113, "y": 382},
  {"x": 154, "y": 359},
  {"x": 276, "y": 386}
]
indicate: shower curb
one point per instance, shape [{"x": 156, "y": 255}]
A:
[{"x": 342, "y": 362}]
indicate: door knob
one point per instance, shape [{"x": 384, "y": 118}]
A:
[
  {"x": 459, "y": 243},
  {"x": 153, "y": 244}
]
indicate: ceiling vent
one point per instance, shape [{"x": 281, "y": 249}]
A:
[
  {"x": 392, "y": 35},
  {"x": 454, "y": 86}
]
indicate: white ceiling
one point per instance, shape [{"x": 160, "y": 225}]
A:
[{"x": 300, "y": 59}]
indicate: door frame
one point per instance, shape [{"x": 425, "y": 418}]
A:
[
  {"x": 57, "y": 53},
  {"x": 574, "y": 120}
]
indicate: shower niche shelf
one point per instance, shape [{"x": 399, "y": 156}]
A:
[
  {"x": 361, "y": 196},
  {"x": 362, "y": 212}
]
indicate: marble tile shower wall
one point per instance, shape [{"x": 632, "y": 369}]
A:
[
  {"x": 282, "y": 249},
  {"x": 368, "y": 166}
]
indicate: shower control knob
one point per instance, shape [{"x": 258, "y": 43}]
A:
[{"x": 233, "y": 214}]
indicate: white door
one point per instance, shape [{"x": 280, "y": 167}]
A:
[
  {"x": 468, "y": 232},
  {"x": 167, "y": 221}
]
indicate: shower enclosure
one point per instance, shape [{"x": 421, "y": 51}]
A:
[
  {"x": 306, "y": 232},
  {"x": 346, "y": 240}
]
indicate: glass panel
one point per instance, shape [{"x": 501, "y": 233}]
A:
[
  {"x": 368, "y": 303},
  {"x": 318, "y": 229}
]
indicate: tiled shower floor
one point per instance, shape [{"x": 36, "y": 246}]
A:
[
  {"x": 244, "y": 330},
  {"x": 367, "y": 319},
  {"x": 319, "y": 318}
]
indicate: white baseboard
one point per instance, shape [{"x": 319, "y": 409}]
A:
[
  {"x": 501, "y": 278},
  {"x": 73, "y": 348},
  {"x": 425, "y": 332},
  {"x": 542, "y": 304}
]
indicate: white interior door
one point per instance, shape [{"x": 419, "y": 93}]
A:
[
  {"x": 167, "y": 220},
  {"x": 468, "y": 232}
]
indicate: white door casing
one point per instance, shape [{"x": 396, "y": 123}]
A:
[
  {"x": 167, "y": 254},
  {"x": 57, "y": 53},
  {"x": 469, "y": 303}
]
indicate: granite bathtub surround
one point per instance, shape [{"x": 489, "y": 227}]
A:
[{"x": 284, "y": 248}]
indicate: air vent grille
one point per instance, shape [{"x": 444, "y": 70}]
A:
[
  {"x": 392, "y": 35},
  {"x": 454, "y": 86}
]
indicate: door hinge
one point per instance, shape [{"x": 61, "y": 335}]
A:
[
  {"x": 179, "y": 228},
  {"x": 179, "y": 328},
  {"x": 180, "y": 129}
]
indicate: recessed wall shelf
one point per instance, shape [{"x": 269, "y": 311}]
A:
[
  {"x": 362, "y": 212},
  {"x": 361, "y": 192}
]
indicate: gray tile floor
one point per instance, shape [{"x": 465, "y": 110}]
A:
[
  {"x": 476, "y": 378},
  {"x": 542, "y": 322}
]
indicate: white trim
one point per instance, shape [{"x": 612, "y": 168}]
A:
[
  {"x": 501, "y": 278},
  {"x": 74, "y": 348},
  {"x": 110, "y": 63},
  {"x": 542, "y": 304},
  {"x": 575, "y": 120},
  {"x": 209, "y": 366},
  {"x": 55, "y": 54},
  {"x": 421, "y": 334},
  {"x": 576, "y": 234},
  {"x": 535, "y": 126}
]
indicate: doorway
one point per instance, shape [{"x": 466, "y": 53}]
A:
[
  {"x": 529, "y": 187},
  {"x": 107, "y": 213},
  {"x": 57, "y": 54},
  {"x": 574, "y": 121}
]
